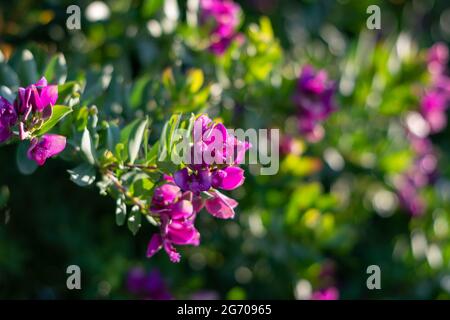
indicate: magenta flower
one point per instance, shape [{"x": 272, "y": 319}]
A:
[
  {"x": 214, "y": 145},
  {"x": 8, "y": 119},
  {"x": 423, "y": 172},
  {"x": 437, "y": 58},
  {"x": 330, "y": 293},
  {"x": 147, "y": 285},
  {"x": 228, "y": 178},
  {"x": 46, "y": 147},
  {"x": 177, "y": 215},
  {"x": 434, "y": 102},
  {"x": 37, "y": 97},
  {"x": 222, "y": 19},
  {"x": 314, "y": 99},
  {"x": 409, "y": 197},
  {"x": 222, "y": 171},
  {"x": 179, "y": 200},
  {"x": 433, "y": 107}
]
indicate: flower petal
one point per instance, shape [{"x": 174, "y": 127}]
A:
[
  {"x": 233, "y": 179},
  {"x": 181, "y": 178},
  {"x": 181, "y": 210},
  {"x": 154, "y": 245},
  {"x": 220, "y": 206},
  {"x": 49, "y": 95}
]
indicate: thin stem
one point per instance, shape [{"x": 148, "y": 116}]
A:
[{"x": 124, "y": 190}]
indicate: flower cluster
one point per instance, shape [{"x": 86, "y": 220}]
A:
[
  {"x": 145, "y": 285},
  {"x": 178, "y": 201},
  {"x": 32, "y": 107},
  {"x": 8, "y": 118},
  {"x": 432, "y": 119},
  {"x": 435, "y": 100},
  {"x": 214, "y": 164},
  {"x": 222, "y": 19},
  {"x": 177, "y": 211},
  {"x": 314, "y": 99},
  {"x": 423, "y": 172}
]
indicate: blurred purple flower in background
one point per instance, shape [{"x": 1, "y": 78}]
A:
[
  {"x": 433, "y": 107},
  {"x": 314, "y": 98},
  {"x": 434, "y": 102},
  {"x": 222, "y": 19},
  {"x": 8, "y": 118},
  {"x": 330, "y": 293},
  {"x": 437, "y": 58},
  {"x": 205, "y": 295},
  {"x": 423, "y": 172},
  {"x": 145, "y": 285}
]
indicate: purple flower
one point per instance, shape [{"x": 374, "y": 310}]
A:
[
  {"x": 216, "y": 154},
  {"x": 195, "y": 182},
  {"x": 434, "y": 102},
  {"x": 222, "y": 19},
  {"x": 8, "y": 118},
  {"x": 214, "y": 145},
  {"x": 314, "y": 99},
  {"x": 437, "y": 58},
  {"x": 177, "y": 215},
  {"x": 409, "y": 198},
  {"x": 147, "y": 285},
  {"x": 37, "y": 97},
  {"x": 423, "y": 172},
  {"x": 330, "y": 293},
  {"x": 433, "y": 106},
  {"x": 46, "y": 147}
]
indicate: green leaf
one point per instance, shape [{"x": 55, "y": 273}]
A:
[
  {"x": 142, "y": 186},
  {"x": 25, "y": 165},
  {"x": 121, "y": 210},
  {"x": 168, "y": 136},
  {"x": 137, "y": 97},
  {"x": 136, "y": 140},
  {"x": 6, "y": 93},
  {"x": 67, "y": 90},
  {"x": 132, "y": 136},
  {"x": 58, "y": 113},
  {"x": 174, "y": 124},
  {"x": 8, "y": 76},
  {"x": 150, "y": 7},
  {"x": 112, "y": 136},
  {"x": 83, "y": 175},
  {"x": 56, "y": 70},
  {"x": 134, "y": 220},
  {"x": 152, "y": 155},
  {"x": 87, "y": 147},
  {"x": 396, "y": 162},
  {"x": 27, "y": 68}
]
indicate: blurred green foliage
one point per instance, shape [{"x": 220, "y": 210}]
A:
[{"x": 147, "y": 61}]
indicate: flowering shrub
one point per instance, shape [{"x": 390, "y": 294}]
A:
[{"x": 140, "y": 107}]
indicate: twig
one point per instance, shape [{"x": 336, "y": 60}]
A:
[{"x": 124, "y": 190}]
